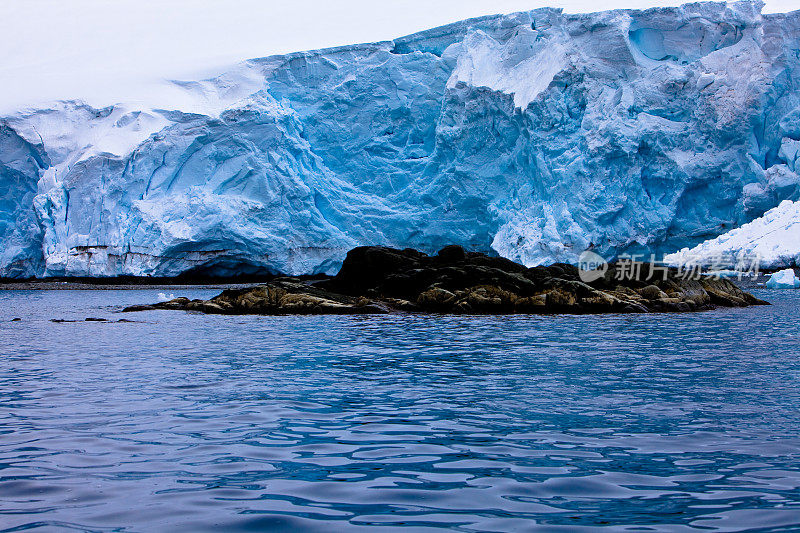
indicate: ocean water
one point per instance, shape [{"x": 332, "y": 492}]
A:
[{"x": 186, "y": 422}]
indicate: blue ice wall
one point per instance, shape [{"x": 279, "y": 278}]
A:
[{"x": 535, "y": 136}]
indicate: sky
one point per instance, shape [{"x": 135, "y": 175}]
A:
[{"x": 104, "y": 51}]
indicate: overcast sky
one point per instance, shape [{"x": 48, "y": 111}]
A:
[{"x": 87, "y": 48}]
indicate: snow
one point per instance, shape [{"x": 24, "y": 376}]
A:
[
  {"x": 774, "y": 240},
  {"x": 513, "y": 67},
  {"x": 535, "y": 135},
  {"x": 783, "y": 279}
]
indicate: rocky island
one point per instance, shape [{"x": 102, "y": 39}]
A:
[{"x": 379, "y": 280}]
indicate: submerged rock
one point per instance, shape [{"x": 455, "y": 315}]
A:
[{"x": 384, "y": 280}]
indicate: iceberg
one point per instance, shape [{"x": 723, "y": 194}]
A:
[
  {"x": 534, "y": 136},
  {"x": 783, "y": 279}
]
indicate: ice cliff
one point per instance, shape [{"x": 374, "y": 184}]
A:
[{"x": 535, "y": 135}]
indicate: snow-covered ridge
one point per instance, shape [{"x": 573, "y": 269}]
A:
[
  {"x": 773, "y": 240},
  {"x": 537, "y": 135}
]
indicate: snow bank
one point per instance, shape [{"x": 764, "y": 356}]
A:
[{"x": 773, "y": 240}]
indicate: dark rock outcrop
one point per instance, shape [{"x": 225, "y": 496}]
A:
[{"x": 384, "y": 280}]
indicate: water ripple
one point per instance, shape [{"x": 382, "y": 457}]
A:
[{"x": 185, "y": 422}]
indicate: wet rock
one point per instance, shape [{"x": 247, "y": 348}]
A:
[
  {"x": 561, "y": 301},
  {"x": 140, "y": 307},
  {"x": 531, "y": 304},
  {"x": 436, "y": 299}
]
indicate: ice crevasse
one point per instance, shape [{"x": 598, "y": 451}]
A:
[{"x": 535, "y": 135}]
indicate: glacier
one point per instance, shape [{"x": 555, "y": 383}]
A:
[{"x": 535, "y": 136}]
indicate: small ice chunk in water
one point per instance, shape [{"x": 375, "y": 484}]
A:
[
  {"x": 164, "y": 298},
  {"x": 783, "y": 279}
]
